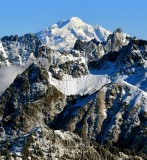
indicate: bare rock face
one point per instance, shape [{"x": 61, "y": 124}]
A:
[
  {"x": 94, "y": 50},
  {"x": 23, "y": 51},
  {"x": 44, "y": 143},
  {"x": 111, "y": 115},
  {"x": 74, "y": 68},
  {"x": 116, "y": 41},
  {"x": 133, "y": 55},
  {"x": 19, "y": 49},
  {"x": 30, "y": 101}
]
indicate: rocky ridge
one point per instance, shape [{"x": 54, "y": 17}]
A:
[{"x": 115, "y": 112}]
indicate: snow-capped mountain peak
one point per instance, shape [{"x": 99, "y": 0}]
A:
[
  {"x": 61, "y": 23},
  {"x": 75, "y": 21},
  {"x": 63, "y": 35}
]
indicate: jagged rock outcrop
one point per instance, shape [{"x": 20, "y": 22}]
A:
[
  {"x": 133, "y": 55},
  {"x": 116, "y": 41},
  {"x": 74, "y": 68},
  {"x": 31, "y": 101},
  {"x": 94, "y": 50},
  {"x": 24, "y": 50},
  {"x": 20, "y": 49},
  {"x": 44, "y": 143}
]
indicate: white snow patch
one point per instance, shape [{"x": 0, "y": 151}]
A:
[
  {"x": 3, "y": 51},
  {"x": 83, "y": 85}
]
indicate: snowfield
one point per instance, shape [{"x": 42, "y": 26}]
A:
[
  {"x": 80, "y": 86},
  {"x": 63, "y": 35}
]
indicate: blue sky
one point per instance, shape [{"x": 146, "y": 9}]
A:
[{"x": 25, "y": 16}]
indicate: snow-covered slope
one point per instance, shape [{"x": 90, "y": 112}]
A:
[
  {"x": 3, "y": 51},
  {"x": 63, "y": 35},
  {"x": 85, "y": 84},
  {"x": 116, "y": 114},
  {"x": 3, "y": 56}
]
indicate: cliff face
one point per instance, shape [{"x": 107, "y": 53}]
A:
[
  {"x": 115, "y": 114},
  {"x": 31, "y": 101}
]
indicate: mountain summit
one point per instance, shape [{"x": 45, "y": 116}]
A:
[{"x": 63, "y": 35}]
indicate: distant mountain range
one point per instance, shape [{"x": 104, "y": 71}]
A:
[{"x": 81, "y": 93}]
